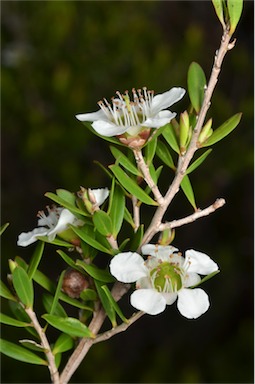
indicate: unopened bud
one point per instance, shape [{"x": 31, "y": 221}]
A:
[
  {"x": 74, "y": 283},
  {"x": 205, "y": 132},
  {"x": 184, "y": 130}
]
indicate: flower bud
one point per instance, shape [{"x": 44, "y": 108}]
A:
[
  {"x": 206, "y": 132},
  {"x": 167, "y": 236},
  {"x": 74, "y": 283},
  {"x": 184, "y": 130}
]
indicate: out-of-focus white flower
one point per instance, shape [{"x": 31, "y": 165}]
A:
[
  {"x": 164, "y": 277},
  {"x": 57, "y": 221},
  {"x": 134, "y": 117}
]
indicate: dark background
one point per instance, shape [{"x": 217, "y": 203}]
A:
[{"x": 58, "y": 59}]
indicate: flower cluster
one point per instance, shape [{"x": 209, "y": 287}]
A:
[
  {"x": 132, "y": 120},
  {"x": 164, "y": 277}
]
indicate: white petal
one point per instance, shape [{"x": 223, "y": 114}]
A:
[
  {"x": 159, "y": 121},
  {"x": 65, "y": 218},
  {"x": 199, "y": 262},
  {"x": 148, "y": 301},
  {"x": 128, "y": 267},
  {"x": 192, "y": 303},
  {"x": 100, "y": 194},
  {"x": 106, "y": 128},
  {"x": 99, "y": 115},
  {"x": 191, "y": 278},
  {"x": 170, "y": 297},
  {"x": 160, "y": 251},
  {"x": 26, "y": 238},
  {"x": 166, "y": 99}
]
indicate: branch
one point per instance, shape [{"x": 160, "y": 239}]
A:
[
  {"x": 184, "y": 160},
  {"x": 136, "y": 212},
  {"x": 120, "y": 328},
  {"x": 197, "y": 215},
  {"x": 45, "y": 344}
]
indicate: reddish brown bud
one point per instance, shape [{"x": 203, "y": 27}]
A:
[{"x": 74, "y": 283}]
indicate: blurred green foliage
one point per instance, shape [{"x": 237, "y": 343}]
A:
[{"x": 58, "y": 59}]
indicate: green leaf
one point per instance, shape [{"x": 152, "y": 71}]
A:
[
  {"x": 227, "y": 127},
  {"x": 124, "y": 161},
  {"x": 4, "y": 292},
  {"x": 188, "y": 191},
  {"x": 69, "y": 261},
  {"x": 170, "y": 137},
  {"x": 23, "y": 286},
  {"x": 69, "y": 197},
  {"x": 65, "y": 204},
  {"x": 131, "y": 186},
  {"x": 36, "y": 258},
  {"x": 128, "y": 218},
  {"x": 56, "y": 241},
  {"x": 235, "y": 8},
  {"x": 88, "y": 295},
  {"x": 57, "y": 293},
  {"x": 106, "y": 303},
  {"x": 33, "y": 345},
  {"x": 150, "y": 151},
  {"x": 48, "y": 303},
  {"x": 64, "y": 343},
  {"x": 98, "y": 274},
  {"x": 117, "y": 210},
  {"x": 218, "y": 5},
  {"x": 4, "y": 319},
  {"x": 198, "y": 161},
  {"x": 89, "y": 240},
  {"x": 206, "y": 278},
  {"x": 68, "y": 325},
  {"x": 164, "y": 155},
  {"x": 19, "y": 353},
  {"x": 103, "y": 223},
  {"x": 196, "y": 85},
  {"x": 113, "y": 303},
  {"x": 137, "y": 238},
  {"x": 3, "y": 228}
]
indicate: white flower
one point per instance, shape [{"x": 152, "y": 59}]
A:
[
  {"x": 98, "y": 196},
  {"x": 124, "y": 115},
  {"x": 57, "y": 221},
  {"x": 164, "y": 277}
]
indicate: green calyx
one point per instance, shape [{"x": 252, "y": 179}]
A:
[{"x": 166, "y": 277}]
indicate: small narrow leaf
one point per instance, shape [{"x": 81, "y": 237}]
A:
[
  {"x": 164, "y": 155},
  {"x": 89, "y": 240},
  {"x": 113, "y": 303},
  {"x": 170, "y": 137},
  {"x": 124, "y": 161},
  {"x": 117, "y": 210},
  {"x": 95, "y": 272},
  {"x": 57, "y": 293},
  {"x": 198, "y": 161},
  {"x": 69, "y": 197},
  {"x": 137, "y": 238},
  {"x": 106, "y": 303},
  {"x": 227, "y": 127},
  {"x": 66, "y": 204},
  {"x": 128, "y": 217},
  {"x": 69, "y": 261},
  {"x": 218, "y": 5},
  {"x": 36, "y": 258},
  {"x": 19, "y": 353},
  {"x": 103, "y": 223},
  {"x": 31, "y": 344},
  {"x": 150, "y": 151},
  {"x": 64, "y": 343},
  {"x": 131, "y": 186},
  {"x": 23, "y": 286},
  {"x": 196, "y": 85},
  {"x": 68, "y": 325},
  {"x": 4, "y": 292},
  {"x": 235, "y": 8},
  {"x": 3, "y": 228},
  {"x": 188, "y": 191},
  {"x": 207, "y": 277},
  {"x": 47, "y": 303},
  {"x": 4, "y": 319},
  {"x": 88, "y": 295}
]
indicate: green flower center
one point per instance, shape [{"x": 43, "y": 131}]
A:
[{"x": 166, "y": 277}]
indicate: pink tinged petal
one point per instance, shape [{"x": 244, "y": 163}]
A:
[
  {"x": 199, "y": 262},
  {"x": 191, "y": 279},
  {"x": 128, "y": 267},
  {"x": 27, "y": 238},
  {"x": 166, "y": 99},
  {"x": 106, "y": 128},
  {"x": 99, "y": 115},
  {"x": 192, "y": 303},
  {"x": 148, "y": 301},
  {"x": 159, "y": 120},
  {"x": 100, "y": 194},
  {"x": 65, "y": 218}
]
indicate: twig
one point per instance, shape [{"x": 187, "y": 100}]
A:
[
  {"x": 120, "y": 328},
  {"x": 46, "y": 346},
  {"x": 147, "y": 176},
  {"x": 186, "y": 158},
  {"x": 197, "y": 215},
  {"x": 136, "y": 213}
]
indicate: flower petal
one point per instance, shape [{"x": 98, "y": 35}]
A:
[
  {"x": 159, "y": 120},
  {"x": 27, "y": 238},
  {"x": 106, "y": 128},
  {"x": 148, "y": 301},
  {"x": 192, "y": 303},
  {"x": 170, "y": 297},
  {"x": 128, "y": 267},
  {"x": 99, "y": 115},
  {"x": 65, "y": 218},
  {"x": 166, "y": 99},
  {"x": 199, "y": 262},
  {"x": 100, "y": 194},
  {"x": 191, "y": 278},
  {"x": 160, "y": 251}
]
